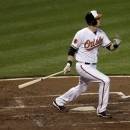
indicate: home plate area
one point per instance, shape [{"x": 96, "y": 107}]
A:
[
  {"x": 119, "y": 96},
  {"x": 90, "y": 108}
]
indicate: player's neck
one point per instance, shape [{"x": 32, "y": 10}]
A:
[{"x": 92, "y": 28}]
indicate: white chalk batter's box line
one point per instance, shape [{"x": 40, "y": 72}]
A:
[
  {"x": 120, "y": 76},
  {"x": 118, "y": 93},
  {"x": 89, "y": 123},
  {"x": 41, "y": 123},
  {"x": 21, "y": 104}
]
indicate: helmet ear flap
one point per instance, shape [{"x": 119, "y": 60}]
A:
[{"x": 90, "y": 19}]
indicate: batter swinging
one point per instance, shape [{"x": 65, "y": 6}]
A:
[{"x": 85, "y": 46}]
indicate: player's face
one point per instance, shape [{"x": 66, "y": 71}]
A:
[{"x": 98, "y": 22}]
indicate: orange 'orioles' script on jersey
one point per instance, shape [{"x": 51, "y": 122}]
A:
[{"x": 89, "y": 45}]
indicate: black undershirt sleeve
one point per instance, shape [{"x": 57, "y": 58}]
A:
[
  {"x": 71, "y": 51},
  {"x": 108, "y": 47}
]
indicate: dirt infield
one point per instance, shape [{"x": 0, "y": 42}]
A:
[{"x": 31, "y": 108}]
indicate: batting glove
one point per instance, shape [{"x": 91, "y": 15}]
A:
[
  {"x": 68, "y": 67},
  {"x": 117, "y": 40}
]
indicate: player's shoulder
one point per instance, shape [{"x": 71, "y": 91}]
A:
[
  {"x": 82, "y": 30},
  {"x": 100, "y": 31}
]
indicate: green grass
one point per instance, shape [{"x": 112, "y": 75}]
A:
[{"x": 35, "y": 35}]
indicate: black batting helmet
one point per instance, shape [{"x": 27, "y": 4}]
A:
[{"x": 91, "y": 17}]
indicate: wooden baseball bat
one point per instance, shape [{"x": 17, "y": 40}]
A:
[{"x": 37, "y": 80}]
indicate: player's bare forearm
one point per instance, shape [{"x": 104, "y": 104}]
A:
[
  {"x": 70, "y": 58},
  {"x": 112, "y": 48}
]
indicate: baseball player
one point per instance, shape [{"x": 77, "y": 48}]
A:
[{"x": 84, "y": 47}]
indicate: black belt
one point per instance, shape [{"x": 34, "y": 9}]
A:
[{"x": 89, "y": 63}]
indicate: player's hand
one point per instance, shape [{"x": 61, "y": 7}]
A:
[
  {"x": 117, "y": 40},
  {"x": 67, "y": 68}
]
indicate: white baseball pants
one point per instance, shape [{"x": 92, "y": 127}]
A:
[{"x": 88, "y": 74}]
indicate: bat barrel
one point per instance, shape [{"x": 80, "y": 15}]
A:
[{"x": 29, "y": 83}]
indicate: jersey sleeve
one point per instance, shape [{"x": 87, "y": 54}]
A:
[{"x": 76, "y": 42}]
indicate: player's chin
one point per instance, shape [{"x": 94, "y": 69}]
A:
[{"x": 99, "y": 25}]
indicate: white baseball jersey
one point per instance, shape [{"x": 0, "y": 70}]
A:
[{"x": 87, "y": 44}]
